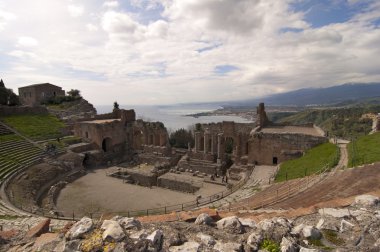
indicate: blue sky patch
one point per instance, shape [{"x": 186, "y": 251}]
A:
[
  {"x": 320, "y": 13},
  {"x": 144, "y": 15},
  {"x": 224, "y": 69},
  {"x": 208, "y": 48}
]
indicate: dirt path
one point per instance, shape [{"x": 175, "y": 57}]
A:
[{"x": 343, "y": 161}]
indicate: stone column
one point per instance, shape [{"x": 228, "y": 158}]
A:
[
  {"x": 219, "y": 146},
  {"x": 206, "y": 142},
  {"x": 197, "y": 139},
  {"x": 238, "y": 149},
  {"x": 213, "y": 144}
]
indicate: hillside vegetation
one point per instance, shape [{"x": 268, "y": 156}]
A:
[
  {"x": 340, "y": 122},
  {"x": 36, "y": 127},
  {"x": 364, "y": 150},
  {"x": 316, "y": 159}
]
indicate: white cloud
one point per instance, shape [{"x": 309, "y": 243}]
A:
[
  {"x": 5, "y": 17},
  {"x": 111, "y": 4},
  {"x": 91, "y": 27},
  {"x": 75, "y": 10},
  {"x": 27, "y": 42},
  {"x": 173, "y": 59}
]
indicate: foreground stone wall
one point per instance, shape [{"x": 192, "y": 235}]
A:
[{"x": 272, "y": 148}]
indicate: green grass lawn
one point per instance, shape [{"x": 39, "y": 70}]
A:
[
  {"x": 37, "y": 127},
  {"x": 364, "y": 150},
  {"x": 313, "y": 161}
]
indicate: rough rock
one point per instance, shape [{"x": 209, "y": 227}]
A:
[
  {"x": 156, "y": 238},
  {"x": 345, "y": 225},
  {"x": 297, "y": 229},
  {"x": 73, "y": 245},
  {"x": 275, "y": 228},
  {"x": 190, "y": 246},
  {"x": 206, "y": 239},
  {"x": 254, "y": 240},
  {"x": 204, "y": 218},
  {"x": 336, "y": 213},
  {"x": 311, "y": 232},
  {"x": 230, "y": 224},
  {"x": 174, "y": 238},
  {"x": 141, "y": 234},
  {"x": 247, "y": 222},
  {"x": 46, "y": 242},
  {"x": 112, "y": 230},
  {"x": 287, "y": 245},
  {"x": 366, "y": 200},
  {"x": 228, "y": 247},
  {"x": 302, "y": 249},
  {"x": 40, "y": 228},
  {"x": 128, "y": 223},
  {"x": 79, "y": 228}
]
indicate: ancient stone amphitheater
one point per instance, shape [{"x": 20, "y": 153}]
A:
[{"x": 331, "y": 210}]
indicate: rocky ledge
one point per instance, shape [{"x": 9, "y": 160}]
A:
[{"x": 354, "y": 228}]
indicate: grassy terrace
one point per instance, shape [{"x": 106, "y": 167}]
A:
[
  {"x": 313, "y": 161},
  {"x": 364, "y": 150},
  {"x": 37, "y": 127}
]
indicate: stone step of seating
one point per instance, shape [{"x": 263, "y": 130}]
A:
[
  {"x": 14, "y": 148},
  {"x": 25, "y": 154},
  {"x": 4, "y": 130},
  {"x": 5, "y": 210},
  {"x": 193, "y": 160}
]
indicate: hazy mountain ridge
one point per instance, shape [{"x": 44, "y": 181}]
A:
[{"x": 349, "y": 93}]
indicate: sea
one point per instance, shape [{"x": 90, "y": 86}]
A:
[{"x": 175, "y": 116}]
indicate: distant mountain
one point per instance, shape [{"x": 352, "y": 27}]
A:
[{"x": 346, "y": 93}]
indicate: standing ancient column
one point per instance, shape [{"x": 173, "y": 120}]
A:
[
  {"x": 206, "y": 142},
  {"x": 197, "y": 139},
  {"x": 213, "y": 144},
  {"x": 220, "y": 146}
]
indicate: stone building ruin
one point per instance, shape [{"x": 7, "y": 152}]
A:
[
  {"x": 117, "y": 136},
  {"x": 262, "y": 143},
  {"x": 33, "y": 95}
]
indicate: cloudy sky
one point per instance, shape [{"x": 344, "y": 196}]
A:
[{"x": 176, "y": 51}]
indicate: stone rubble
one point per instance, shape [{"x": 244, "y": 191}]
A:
[{"x": 321, "y": 231}]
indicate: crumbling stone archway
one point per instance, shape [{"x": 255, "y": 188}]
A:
[{"x": 106, "y": 144}]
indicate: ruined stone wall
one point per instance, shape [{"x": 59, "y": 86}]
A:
[
  {"x": 177, "y": 185},
  {"x": 142, "y": 178},
  {"x": 271, "y": 148},
  {"x": 96, "y": 133},
  {"x": 149, "y": 133},
  {"x": 22, "y": 110}
]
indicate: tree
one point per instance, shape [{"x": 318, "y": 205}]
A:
[
  {"x": 7, "y": 97},
  {"x": 13, "y": 99},
  {"x": 115, "y": 105},
  {"x": 180, "y": 138},
  {"x": 2, "y": 83},
  {"x": 74, "y": 93}
]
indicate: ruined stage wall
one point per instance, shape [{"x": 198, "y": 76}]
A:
[{"x": 265, "y": 147}]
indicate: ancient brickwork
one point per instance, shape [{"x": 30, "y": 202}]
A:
[
  {"x": 22, "y": 110},
  {"x": 179, "y": 183},
  {"x": 119, "y": 133},
  {"x": 273, "y": 148},
  {"x": 35, "y": 94},
  {"x": 262, "y": 142}
]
